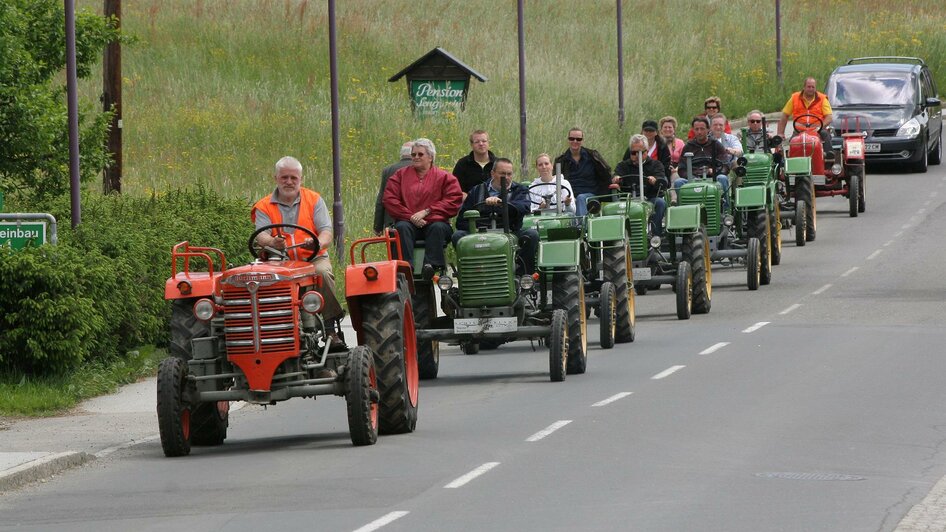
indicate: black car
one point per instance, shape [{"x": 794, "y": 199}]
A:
[{"x": 895, "y": 100}]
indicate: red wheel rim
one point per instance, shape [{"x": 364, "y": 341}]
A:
[
  {"x": 186, "y": 423},
  {"x": 410, "y": 354}
]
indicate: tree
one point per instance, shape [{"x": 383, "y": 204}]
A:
[{"x": 34, "y": 134}]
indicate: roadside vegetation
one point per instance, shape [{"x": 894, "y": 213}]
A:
[{"x": 216, "y": 91}]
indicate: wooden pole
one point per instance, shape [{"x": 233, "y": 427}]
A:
[
  {"x": 72, "y": 111},
  {"x": 112, "y": 101}
]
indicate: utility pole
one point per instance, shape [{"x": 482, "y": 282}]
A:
[
  {"x": 112, "y": 101},
  {"x": 523, "y": 145},
  {"x": 620, "y": 68},
  {"x": 72, "y": 111},
  {"x": 337, "y": 213}
]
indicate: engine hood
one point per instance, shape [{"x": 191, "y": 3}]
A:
[{"x": 877, "y": 118}]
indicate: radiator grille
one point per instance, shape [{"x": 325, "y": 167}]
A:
[
  {"x": 272, "y": 324},
  {"x": 485, "y": 280}
]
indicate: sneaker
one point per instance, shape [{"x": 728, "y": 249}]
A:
[
  {"x": 336, "y": 344},
  {"x": 427, "y": 272}
]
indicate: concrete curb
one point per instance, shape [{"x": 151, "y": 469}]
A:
[{"x": 41, "y": 468}]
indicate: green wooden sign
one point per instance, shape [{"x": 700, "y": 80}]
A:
[
  {"x": 434, "y": 97},
  {"x": 19, "y": 235}
]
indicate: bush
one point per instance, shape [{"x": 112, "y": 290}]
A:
[{"x": 100, "y": 292}]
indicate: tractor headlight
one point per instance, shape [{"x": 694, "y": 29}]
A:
[
  {"x": 445, "y": 282},
  {"x": 526, "y": 282},
  {"x": 204, "y": 309},
  {"x": 655, "y": 242},
  {"x": 910, "y": 129},
  {"x": 728, "y": 220},
  {"x": 836, "y": 169},
  {"x": 312, "y": 302}
]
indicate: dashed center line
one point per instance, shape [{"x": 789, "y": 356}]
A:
[
  {"x": 667, "y": 372},
  {"x": 873, "y": 255},
  {"x": 380, "y": 522},
  {"x": 898, "y": 234},
  {"x": 905, "y": 226},
  {"x": 548, "y": 430},
  {"x": 887, "y": 243},
  {"x": 714, "y": 348},
  {"x": 789, "y": 309},
  {"x": 920, "y": 211},
  {"x": 755, "y": 327},
  {"x": 612, "y": 399},
  {"x": 471, "y": 475},
  {"x": 822, "y": 289},
  {"x": 849, "y": 272}
]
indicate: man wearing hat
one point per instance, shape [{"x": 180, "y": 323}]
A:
[{"x": 656, "y": 148}]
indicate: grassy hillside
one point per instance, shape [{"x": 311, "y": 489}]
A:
[{"x": 217, "y": 90}]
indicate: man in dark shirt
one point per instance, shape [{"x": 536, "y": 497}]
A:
[
  {"x": 381, "y": 218},
  {"x": 475, "y": 168},
  {"x": 518, "y": 204},
  {"x": 585, "y": 169},
  {"x": 627, "y": 174},
  {"x": 708, "y": 154}
]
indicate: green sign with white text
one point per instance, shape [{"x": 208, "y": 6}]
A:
[
  {"x": 437, "y": 96},
  {"x": 19, "y": 235}
]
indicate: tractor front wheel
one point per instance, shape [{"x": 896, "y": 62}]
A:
[
  {"x": 362, "y": 397},
  {"x": 801, "y": 223},
  {"x": 805, "y": 191},
  {"x": 776, "y": 233},
  {"x": 698, "y": 255},
  {"x": 684, "y": 289},
  {"x": 558, "y": 346},
  {"x": 853, "y": 193},
  {"x": 568, "y": 294},
  {"x": 615, "y": 264},
  {"x": 174, "y": 412},
  {"x": 753, "y": 264},
  {"x": 760, "y": 230},
  {"x": 606, "y": 310}
]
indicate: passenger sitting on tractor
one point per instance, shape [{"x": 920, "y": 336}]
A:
[
  {"x": 809, "y": 102},
  {"x": 709, "y": 157},
  {"x": 757, "y": 138},
  {"x": 543, "y": 164},
  {"x": 291, "y": 203},
  {"x": 627, "y": 175},
  {"x": 486, "y": 196},
  {"x": 728, "y": 140},
  {"x": 421, "y": 199}
]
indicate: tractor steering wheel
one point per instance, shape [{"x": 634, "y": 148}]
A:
[
  {"x": 547, "y": 197},
  {"x": 800, "y": 126},
  {"x": 256, "y": 250}
]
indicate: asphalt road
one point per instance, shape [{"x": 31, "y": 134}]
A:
[{"x": 814, "y": 403}]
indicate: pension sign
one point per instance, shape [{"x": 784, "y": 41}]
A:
[
  {"x": 437, "y": 96},
  {"x": 19, "y": 235}
]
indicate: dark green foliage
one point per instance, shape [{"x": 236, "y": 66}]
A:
[
  {"x": 34, "y": 147},
  {"x": 100, "y": 293}
]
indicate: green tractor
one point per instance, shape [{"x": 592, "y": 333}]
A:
[
  {"x": 619, "y": 225},
  {"x": 490, "y": 303},
  {"x": 740, "y": 236}
]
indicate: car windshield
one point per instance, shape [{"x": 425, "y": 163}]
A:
[{"x": 858, "y": 88}]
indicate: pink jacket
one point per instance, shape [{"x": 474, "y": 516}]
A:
[{"x": 406, "y": 194}]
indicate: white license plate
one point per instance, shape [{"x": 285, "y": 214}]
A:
[
  {"x": 818, "y": 179},
  {"x": 872, "y": 147},
  {"x": 484, "y": 325},
  {"x": 641, "y": 274}
]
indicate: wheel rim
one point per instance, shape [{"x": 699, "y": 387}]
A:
[
  {"x": 410, "y": 354},
  {"x": 186, "y": 423},
  {"x": 707, "y": 266}
]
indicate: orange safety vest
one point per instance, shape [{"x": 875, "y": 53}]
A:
[
  {"x": 816, "y": 107},
  {"x": 307, "y": 201}
]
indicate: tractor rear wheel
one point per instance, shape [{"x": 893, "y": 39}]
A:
[
  {"x": 684, "y": 289},
  {"x": 615, "y": 264},
  {"x": 558, "y": 346},
  {"x": 753, "y": 264},
  {"x": 776, "y": 232},
  {"x": 698, "y": 255},
  {"x": 362, "y": 397},
  {"x": 388, "y": 327},
  {"x": 568, "y": 294},
  {"x": 801, "y": 224},
  {"x": 761, "y": 230},
  {"x": 424, "y": 302},
  {"x": 606, "y": 310},
  {"x": 853, "y": 193},
  {"x": 173, "y": 412}
]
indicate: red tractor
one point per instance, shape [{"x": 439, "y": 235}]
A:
[
  {"x": 808, "y": 174},
  {"x": 254, "y": 333}
]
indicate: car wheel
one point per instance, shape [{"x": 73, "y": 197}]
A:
[
  {"x": 936, "y": 156},
  {"x": 922, "y": 165}
]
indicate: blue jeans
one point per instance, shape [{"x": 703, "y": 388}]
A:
[
  {"x": 581, "y": 205},
  {"x": 657, "y": 219},
  {"x": 723, "y": 180}
]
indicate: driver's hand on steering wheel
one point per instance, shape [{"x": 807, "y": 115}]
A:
[
  {"x": 278, "y": 242},
  {"x": 651, "y": 180},
  {"x": 616, "y": 180},
  {"x": 567, "y": 200},
  {"x": 493, "y": 200},
  {"x": 310, "y": 244}
]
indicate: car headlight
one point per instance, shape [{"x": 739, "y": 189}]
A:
[
  {"x": 910, "y": 129},
  {"x": 204, "y": 309},
  {"x": 312, "y": 302}
]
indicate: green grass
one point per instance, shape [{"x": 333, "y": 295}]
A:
[{"x": 26, "y": 396}]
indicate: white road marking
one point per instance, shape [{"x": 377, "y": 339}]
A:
[
  {"x": 927, "y": 202},
  {"x": 789, "y": 309},
  {"x": 667, "y": 372},
  {"x": 933, "y": 194},
  {"x": 756, "y": 327},
  {"x": 920, "y": 211},
  {"x": 873, "y": 255},
  {"x": 822, "y": 289},
  {"x": 714, "y": 348},
  {"x": 612, "y": 399},
  {"x": 887, "y": 243},
  {"x": 905, "y": 226},
  {"x": 898, "y": 234},
  {"x": 378, "y": 523},
  {"x": 849, "y": 272},
  {"x": 548, "y": 430},
  {"x": 471, "y": 475}
]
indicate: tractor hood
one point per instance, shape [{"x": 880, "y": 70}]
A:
[{"x": 266, "y": 273}]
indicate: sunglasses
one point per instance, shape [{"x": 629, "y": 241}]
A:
[
  {"x": 576, "y": 139},
  {"x": 711, "y": 107},
  {"x": 755, "y": 121},
  {"x": 418, "y": 154}
]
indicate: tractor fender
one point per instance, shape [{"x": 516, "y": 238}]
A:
[
  {"x": 606, "y": 228},
  {"x": 684, "y": 218},
  {"x": 751, "y": 197},
  {"x": 186, "y": 285},
  {"x": 359, "y": 281},
  {"x": 559, "y": 254}
]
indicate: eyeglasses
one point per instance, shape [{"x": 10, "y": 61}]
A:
[
  {"x": 418, "y": 154},
  {"x": 755, "y": 121},
  {"x": 576, "y": 139}
]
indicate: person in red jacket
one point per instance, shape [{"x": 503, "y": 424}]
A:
[
  {"x": 291, "y": 203},
  {"x": 421, "y": 199}
]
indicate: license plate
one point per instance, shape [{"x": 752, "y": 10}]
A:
[
  {"x": 641, "y": 274},
  {"x": 484, "y": 325},
  {"x": 818, "y": 179},
  {"x": 872, "y": 147}
]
